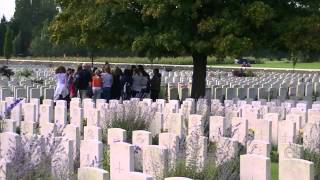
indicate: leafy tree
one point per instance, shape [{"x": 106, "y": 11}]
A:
[
  {"x": 7, "y": 50},
  {"x": 17, "y": 45},
  {"x": 179, "y": 28},
  {"x": 29, "y": 17},
  {"x": 3, "y": 24},
  {"x": 41, "y": 45}
]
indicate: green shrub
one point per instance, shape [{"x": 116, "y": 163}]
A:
[
  {"x": 259, "y": 61},
  {"x": 315, "y": 158},
  {"x": 274, "y": 156},
  {"x": 249, "y": 73},
  {"x": 228, "y": 60},
  {"x": 182, "y": 170},
  {"x": 25, "y": 73},
  {"x": 211, "y": 171},
  {"x": 37, "y": 81},
  {"x": 5, "y": 71},
  {"x": 106, "y": 159}
]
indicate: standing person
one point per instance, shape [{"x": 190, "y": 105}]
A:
[
  {"x": 106, "y": 65},
  {"x": 133, "y": 69},
  {"x": 136, "y": 83},
  {"x": 71, "y": 85},
  {"x": 96, "y": 85},
  {"x": 76, "y": 80},
  {"x": 155, "y": 84},
  {"x": 145, "y": 82},
  {"x": 107, "y": 80},
  {"x": 84, "y": 81},
  {"x": 126, "y": 85},
  {"x": 61, "y": 92},
  {"x": 116, "y": 85}
]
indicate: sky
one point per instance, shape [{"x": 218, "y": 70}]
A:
[{"x": 7, "y": 8}]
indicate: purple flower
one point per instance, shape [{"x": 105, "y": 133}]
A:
[
  {"x": 137, "y": 149},
  {"x": 11, "y": 106}
]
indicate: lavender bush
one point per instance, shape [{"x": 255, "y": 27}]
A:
[
  {"x": 130, "y": 116},
  {"x": 35, "y": 156},
  {"x": 7, "y": 113}
]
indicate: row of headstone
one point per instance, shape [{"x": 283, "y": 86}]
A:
[{"x": 188, "y": 120}]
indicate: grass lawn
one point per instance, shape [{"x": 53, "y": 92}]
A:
[
  {"x": 274, "y": 171},
  {"x": 281, "y": 64},
  {"x": 181, "y": 61}
]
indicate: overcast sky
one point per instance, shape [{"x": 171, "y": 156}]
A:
[{"x": 7, "y": 8}]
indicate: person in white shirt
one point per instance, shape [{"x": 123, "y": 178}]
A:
[
  {"x": 61, "y": 92},
  {"x": 107, "y": 80}
]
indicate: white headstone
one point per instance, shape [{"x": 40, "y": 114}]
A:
[
  {"x": 121, "y": 160},
  {"x": 255, "y": 167}
]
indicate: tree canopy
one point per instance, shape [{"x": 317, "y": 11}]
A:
[
  {"x": 191, "y": 27},
  {"x": 28, "y": 20}
]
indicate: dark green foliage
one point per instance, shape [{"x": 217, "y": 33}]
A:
[
  {"x": 274, "y": 156},
  {"x": 29, "y": 17},
  {"x": 228, "y": 170},
  {"x": 25, "y": 73},
  {"x": 106, "y": 159},
  {"x": 210, "y": 171},
  {"x": 155, "y": 140},
  {"x": 243, "y": 73},
  {"x": 7, "y": 49},
  {"x": 315, "y": 158},
  {"x": 3, "y": 28},
  {"x": 37, "y": 81},
  {"x": 5, "y": 71},
  {"x": 194, "y": 28},
  {"x": 17, "y": 45}
]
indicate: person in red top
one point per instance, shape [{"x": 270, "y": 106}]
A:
[
  {"x": 71, "y": 86},
  {"x": 96, "y": 84}
]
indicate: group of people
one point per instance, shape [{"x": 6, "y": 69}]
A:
[{"x": 106, "y": 83}]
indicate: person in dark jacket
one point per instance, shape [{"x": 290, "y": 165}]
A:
[
  {"x": 84, "y": 81},
  {"x": 116, "y": 85},
  {"x": 126, "y": 84},
  {"x": 155, "y": 85},
  {"x": 144, "y": 83},
  {"x": 76, "y": 80}
]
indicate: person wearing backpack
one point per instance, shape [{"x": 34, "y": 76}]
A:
[{"x": 126, "y": 84}]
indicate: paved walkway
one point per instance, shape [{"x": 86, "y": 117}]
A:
[{"x": 33, "y": 61}]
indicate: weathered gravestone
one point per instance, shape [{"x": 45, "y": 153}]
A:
[
  {"x": 86, "y": 173},
  {"x": 140, "y": 139},
  {"x": 155, "y": 161},
  {"x": 255, "y": 167},
  {"x": 121, "y": 160},
  {"x": 116, "y": 135},
  {"x": 171, "y": 142},
  {"x": 293, "y": 169},
  {"x": 91, "y": 153}
]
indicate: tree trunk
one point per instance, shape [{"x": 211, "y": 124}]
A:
[{"x": 199, "y": 75}]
